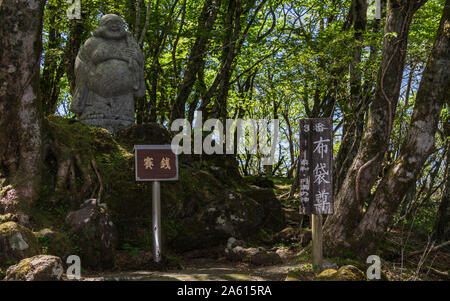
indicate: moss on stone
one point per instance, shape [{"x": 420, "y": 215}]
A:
[
  {"x": 10, "y": 231},
  {"x": 299, "y": 275},
  {"x": 8, "y": 218},
  {"x": 350, "y": 273},
  {"x": 185, "y": 203},
  {"x": 4, "y": 189},
  {"x": 54, "y": 243},
  {"x": 345, "y": 273},
  {"x": 327, "y": 275},
  {"x": 24, "y": 267}
]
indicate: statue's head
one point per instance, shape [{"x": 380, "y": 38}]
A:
[{"x": 110, "y": 27}]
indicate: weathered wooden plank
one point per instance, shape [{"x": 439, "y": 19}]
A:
[
  {"x": 317, "y": 250},
  {"x": 315, "y": 166}
]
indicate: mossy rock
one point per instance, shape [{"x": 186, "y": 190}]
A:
[
  {"x": 264, "y": 258},
  {"x": 350, "y": 273},
  {"x": 327, "y": 275},
  {"x": 385, "y": 277},
  {"x": 345, "y": 273},
  {"x": 4, "y": 218},
  {"x": 287, "y": 235},
  {"x": 298, "y": 275},
  {"x": 53, "y": 242},
  {"x": 36, "y": 268},
  {"x": 94, "y": 234},
  {"x": 150, "y": 133},
  {"x": 261, "y": 194},
  {"x": 260, "y": 181},
  {"x": 198, "y": 211},
  {"x": 16, "y": 243}
]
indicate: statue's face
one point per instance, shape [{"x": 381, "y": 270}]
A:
[{"x": 113, "y": 27}]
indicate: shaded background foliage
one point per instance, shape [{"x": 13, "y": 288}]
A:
[{"x": 265, "y": 59}]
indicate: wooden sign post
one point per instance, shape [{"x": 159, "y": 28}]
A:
[
  {"x": 156, "y": 163},
  {"x": 315, "y": 175}
]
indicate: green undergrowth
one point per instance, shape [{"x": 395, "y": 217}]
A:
[{"x": 129, "y": 202}]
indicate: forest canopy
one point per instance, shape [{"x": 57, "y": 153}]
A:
[{"x": 270, "y": 59}]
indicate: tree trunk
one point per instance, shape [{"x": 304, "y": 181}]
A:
[
  {"x": 285, "y": 115},
  {"x": 366, "y": 166},
  {"x": 418, "y": 145},
  {"x": 196, "y": 60},
  {"x": 442, "y": 225},
  {"x": 74, "y": 41},
  {"x": 353, "y": 124},
  {"x": 20, "y": 106},
  {"x": 230, "y": 51},
  {"x": 52, "y": 70}
]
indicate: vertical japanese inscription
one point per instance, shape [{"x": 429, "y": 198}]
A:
[
  {"x": 305, "y": 166},
  {"x": 315, "y": 166}
]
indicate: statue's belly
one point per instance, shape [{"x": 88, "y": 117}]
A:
[{"x": 111, "y": 78}]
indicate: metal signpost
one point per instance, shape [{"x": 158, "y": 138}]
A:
[
  {"x": 156, "y": 163},
  {"x": 315, "y": 175}
]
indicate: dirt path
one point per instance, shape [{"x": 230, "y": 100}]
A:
[{"x": 204, "y": 270}]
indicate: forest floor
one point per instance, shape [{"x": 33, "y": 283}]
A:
[
  {"x": 209, "y": 269},
  {"x": 205, "y": 270},
  {"x": 417, "y": 262}
]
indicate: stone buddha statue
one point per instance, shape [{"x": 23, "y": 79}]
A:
[{"x": 109, "y": 74}]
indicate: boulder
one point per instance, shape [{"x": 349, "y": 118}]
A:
[
  {"x": 350, "y": 273},
  {"x": 287, "y": 235},
  {"x": 9, "y": 217},
  {"x": 285, "y": 253},
  {"x": 260, "y": 181},
  {"x": 235, "y": 249},
  {"x": 37, "y": 268},
  {"x": 16, "y": 243},
  {"x": 298, "y": 275},
  {"x": 150, "y": 133},
  {"x": 54, "y": 242},
  {"x": 128, "y": 260},
  {"x": 326, "y": 275},
  {"x": 256, "y": 256},
  {"x": 94, "y": 234},
  {"x": 273, "y": 214},
  {"x": 224, "y": 167},
  {"x": 260, "y": 256},
  {"x": 10, "y": 209},
  {"x": 215, "y": 213},
  {"x": 9, "y": 201},
  {"x": 345, "y": 273},
  {"x": 199, "y": 211},
  {"x": 233, "y": 242}
]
